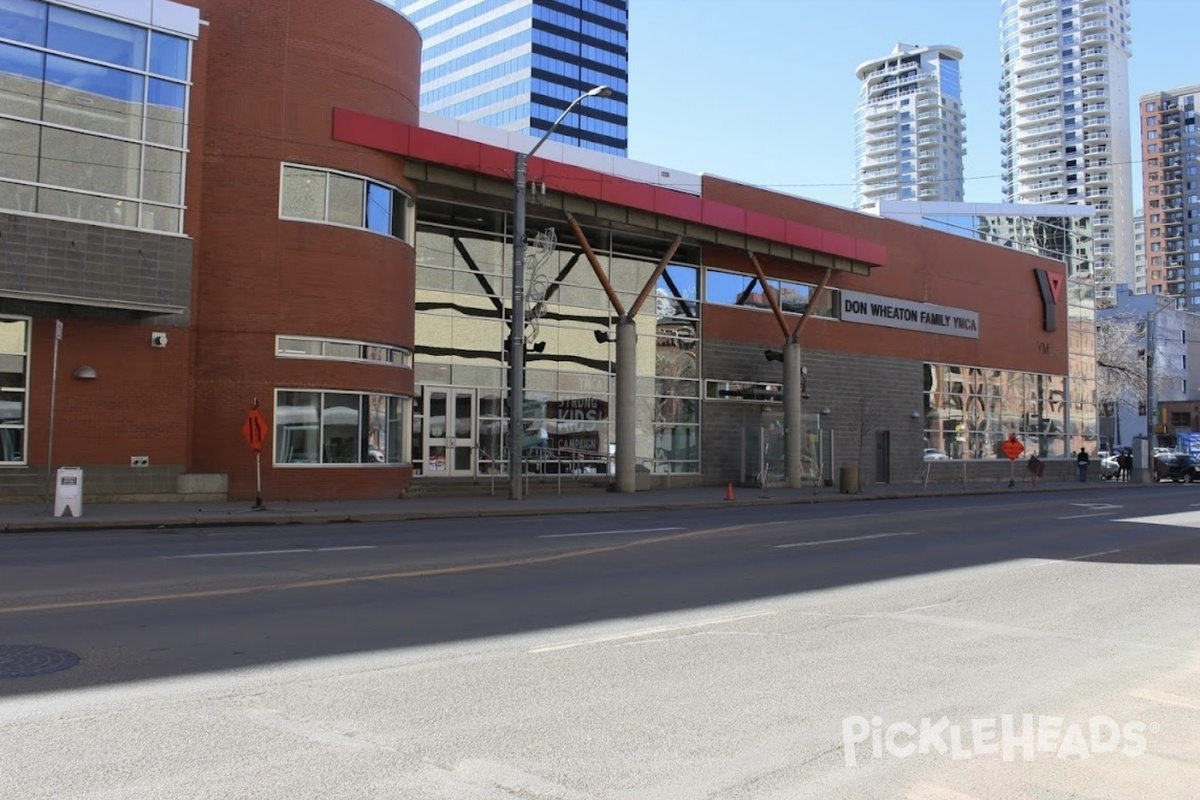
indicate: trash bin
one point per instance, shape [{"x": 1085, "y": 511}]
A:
[{"x": 848, "y": 480}]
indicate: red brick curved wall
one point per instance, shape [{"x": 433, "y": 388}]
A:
[{"x": 267, "y": 76}]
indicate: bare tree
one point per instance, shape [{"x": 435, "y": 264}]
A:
[
  {"x": 1120, "y": 361},
  {"x": 1121, "y": 365}
]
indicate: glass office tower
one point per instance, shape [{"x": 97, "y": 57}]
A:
[{"x": 516, "y": 64}]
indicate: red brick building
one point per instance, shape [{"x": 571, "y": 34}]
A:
[{"x": 279, "y": 227}]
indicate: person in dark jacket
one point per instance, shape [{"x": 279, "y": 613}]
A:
[{"x": 1081, "y": 462}]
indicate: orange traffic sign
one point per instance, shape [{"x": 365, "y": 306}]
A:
[
  {"x": 254, "y": 429},
  {"x": 1012, "y": 447}
]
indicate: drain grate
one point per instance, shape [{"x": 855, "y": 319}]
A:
[{"x": 27, "y": 660}]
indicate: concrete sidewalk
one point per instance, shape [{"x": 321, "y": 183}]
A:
[{"x": 113, "y": 516}]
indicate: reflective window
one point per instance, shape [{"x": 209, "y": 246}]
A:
[
  {"x": 970, "y": 413},
  {"x": 463, "y": 267},
  {"x": 19, "y": 155},
  {"x": 737, "y": 289},
  {"x": 96, "y": 38},
  {"x": 308, "y": 193},
  {"x": 20, "y": 81},
  {"x": 97, "y": 171},
  {"x": 165, "y": 103},
  {"x": 14, "y": 378},
  {"x": 336, "y": 349},
  {"x": 23, "y": 20},
  {"x": 346, "y": 200},
  {"x": 163, "y": 176},
  {"x": 344, "y": 428},
  {"x": 92, "y": 163},
  {"x": 168, "y": 55},
  {"x": 379, "y": 208},
  {"x": 302, "y": 193},
  {"x": 92, "y": 97}
]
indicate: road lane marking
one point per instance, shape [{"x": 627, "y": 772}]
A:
[
  {"x": 321, "y": 583},
  {"x": 1076, "y": 558},
  {"x": 616, "y": 637},
  {"x": 1085, "y": 516},
  {"x": 847, "y": 539},
  {"x": 605, "y": 533},
  {"x": 273, "y": 552},
  {"x": 1182, "y": 519}
]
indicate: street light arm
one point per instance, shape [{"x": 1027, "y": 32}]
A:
[{"x": 599, "y": 91}]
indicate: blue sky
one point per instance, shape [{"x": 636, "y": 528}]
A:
[{"x": 763, "y": 91}]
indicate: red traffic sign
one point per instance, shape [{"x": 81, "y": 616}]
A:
[
  {"x": 254, "y": 430},
  {"x": 1012, "y": 448}
]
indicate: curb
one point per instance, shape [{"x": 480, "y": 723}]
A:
[{"x": 266, "y": 519}]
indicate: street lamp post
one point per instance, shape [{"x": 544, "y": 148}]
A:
[
  {"x": 1151, "y": 389},
  {"x": 516, "y": 355}
]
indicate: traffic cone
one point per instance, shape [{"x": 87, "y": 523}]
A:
[{"x": 729, "y": 491}]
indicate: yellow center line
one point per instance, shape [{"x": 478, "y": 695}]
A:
[{"x": 383, "y": 576}]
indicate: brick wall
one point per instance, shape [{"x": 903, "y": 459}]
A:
[{"x": 273, "y": 71}]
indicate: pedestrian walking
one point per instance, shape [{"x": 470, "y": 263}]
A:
[
  {"x": 1081, "y": 462},
  {"x": 1125, "y": 466}
]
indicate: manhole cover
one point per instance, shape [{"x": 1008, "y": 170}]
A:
[{"x": 27, "y": 660}]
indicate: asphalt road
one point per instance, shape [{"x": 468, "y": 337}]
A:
[{"x": 773, "y": 652}]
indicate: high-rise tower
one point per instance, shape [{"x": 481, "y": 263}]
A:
[
  {"x": 1065, "y": 119},
  {"x": 909, "y": 127},
  {"x": 1170, "y": 154},
  {"x": 516, "y": 64}
]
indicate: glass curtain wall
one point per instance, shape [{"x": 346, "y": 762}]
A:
[
  {"x": 1081, "y": 360},
  {"x": 463, "y": 294},
  {"x": 971, "y": 411},
  {"x": 93, "y": 113}
]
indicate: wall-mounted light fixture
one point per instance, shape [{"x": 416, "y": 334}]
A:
[
  {"x": 603, "y": 336},
  {"x": 158, "y": 339},
  {"x": 915, "y": 415},
  {"x": 85, "y": 373},
  {"x": 825, "y": 412}
]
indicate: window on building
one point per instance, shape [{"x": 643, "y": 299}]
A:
[
  {"x": 84, "y": 89},
  {"x": 338, "y": 198},
  {"x": 14, "y": 388},
  {"x": 336, "y": 427},
  {"x": 341, "y": 350},
  {"x": 745, "y": 291}
]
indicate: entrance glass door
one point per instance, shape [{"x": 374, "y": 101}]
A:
[{"x": 451, "y": 421}]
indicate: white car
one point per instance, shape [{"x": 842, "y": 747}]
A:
[{"x": 933, "y": 454}]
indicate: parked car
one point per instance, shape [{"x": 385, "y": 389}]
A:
[
  {"x": 1109, "y": 467},
  {"x": 1176, "y": 467},
  {"x": 933, "y": 454}
]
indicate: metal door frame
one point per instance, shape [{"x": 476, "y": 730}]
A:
[{"x": 453, "y": 443}]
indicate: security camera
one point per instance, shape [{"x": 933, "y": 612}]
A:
[{"x": 158, "y": 339}]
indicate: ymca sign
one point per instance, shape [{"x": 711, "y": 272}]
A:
[{"x": 892, "y": 312}]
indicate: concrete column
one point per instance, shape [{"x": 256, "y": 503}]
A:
[
  {"x": 626, "y": 427},
  {"x": 793, "y": 428}
]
